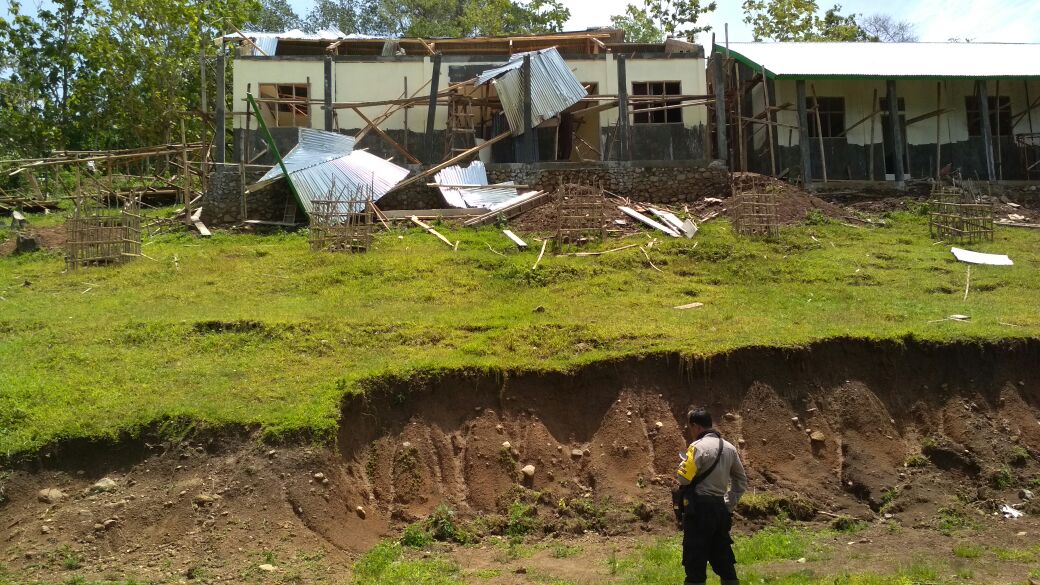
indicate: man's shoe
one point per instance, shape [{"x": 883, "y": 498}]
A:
[{"x": 731, "y": 582}]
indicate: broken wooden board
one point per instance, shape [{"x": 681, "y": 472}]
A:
[
  {"x": 430, "y": 229},
  {"x": 203, "y": 230},
  {"x": 689, "y": 306},
  {"x": 433, "y": 213},
  {"x": 686, "y": 228},
  {"x": 527, "y": 204},
  {"x": 654, "y": 224},
  {"x": 516, "y": 239}
]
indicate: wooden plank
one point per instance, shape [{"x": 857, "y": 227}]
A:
[
  {"x": 428, "y": 228},
  {"x": 516, "y": 239},
  {"x": 451, "y": 161},
  {"x": 819, "y": 133},
  {"x": 639, "y": 216},
  {"x": 511, "y": 211},
  {"x": 203, "y": 230},
  {"x": 686, "y": 228},
  {"x": 449, "y": 212},
  {"x": 386, "y": 137}
]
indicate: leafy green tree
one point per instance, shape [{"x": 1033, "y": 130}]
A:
[
  {"x": 678, "y": 18},
  {"x": 275, "y": 16},
  {"x": 638, "y": 26},
  {"x": 799, "y": 20},
  {"x": 349, "y": 16}
]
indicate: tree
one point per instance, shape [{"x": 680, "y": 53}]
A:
[
  {"x": 92, "y": 74},
  {"x": 678, "y": 18},
  {"x": 799, "y": 20},
  {"x": 349, "y": 16},
  {"x": 638, "y": 26},
  {"x": 886, "y": 29},
  {"x": 275, "y": 16}
]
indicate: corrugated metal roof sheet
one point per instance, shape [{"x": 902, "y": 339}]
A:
[
  {"x": 323, "y": 160},
  {"x": 885, "y": 60},
  {"x": 474, "y": 174},
  {"x": 554, "y": 88},
  {"x": 268, "y": 41},
  {"x": 313, "y": 147},
  {"x": 345, "y": 175}
]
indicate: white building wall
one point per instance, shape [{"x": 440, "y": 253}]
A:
[
  {"x": 382, "y": 80},
  {"x": 919, "y": 96}
]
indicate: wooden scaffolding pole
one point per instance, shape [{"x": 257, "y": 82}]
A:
[{"x": 769, "y": 123}]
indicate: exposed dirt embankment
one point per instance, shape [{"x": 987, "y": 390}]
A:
[{"x": 851, "y": 427}]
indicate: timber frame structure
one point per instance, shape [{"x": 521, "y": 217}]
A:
[{"x": 826, "y": 112}]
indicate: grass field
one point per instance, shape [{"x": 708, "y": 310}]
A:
[{"x": 258, "y": 330}]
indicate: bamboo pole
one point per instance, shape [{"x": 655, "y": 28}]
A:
[
  {"x": 769, "y": 127},
  {"x": 938, "y": 129},
  {"x": 819, "y": 133},
  {"x": 873, "y": 124}
]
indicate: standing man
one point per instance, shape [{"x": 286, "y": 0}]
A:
[{"x": 703, "y": 503}]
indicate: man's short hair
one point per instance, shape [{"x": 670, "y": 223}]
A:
[{"x": 701, "y": 417}]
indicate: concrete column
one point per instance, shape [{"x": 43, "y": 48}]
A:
[
  {"x": 897, "y": 133},
  {"x": 220, "y": 111},
  {"x": 987, "y": 130},
  {"x": 431, "y": 111},
  {"x": 721, "y": 131},
  {"x": 803, "y": 134},
  {"x": 329, "y": 124},
  {"x": 624, "y": 148}
]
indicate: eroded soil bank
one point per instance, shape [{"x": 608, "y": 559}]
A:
[{"x": 844, "y": 427}]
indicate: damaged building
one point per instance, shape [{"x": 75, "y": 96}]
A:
[
  {"x": 629, "y": 116},
  {"x": 878, "y": 111}
]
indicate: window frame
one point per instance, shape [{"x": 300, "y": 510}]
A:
[
  {"x": 277, "y": 114},
  {"x": 672, "y": 115},
  {"x": 831, "y": 116}
]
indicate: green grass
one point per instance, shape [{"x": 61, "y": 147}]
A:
[
  {"x": 259, "y": 331},
  {"x": 659, "y": 564},
  {"x": 387, "y": 565},
  {"x": 967, "y": 551}
]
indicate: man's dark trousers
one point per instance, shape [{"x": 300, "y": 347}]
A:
[{"x": 706, "y": 540}]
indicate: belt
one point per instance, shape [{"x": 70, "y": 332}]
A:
[{"x": 709, "y": 499}]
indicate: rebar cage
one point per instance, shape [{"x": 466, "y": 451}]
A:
[
  {"x": 103, "y": 230},
  {"x": 754, "y": 208},
  {"x": 581, "y": 214},
  {"x": 343, "y": 222},
  {"x": 958, "y": 213}
]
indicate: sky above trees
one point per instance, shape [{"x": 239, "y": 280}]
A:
[{"x": 936, "y": 20}]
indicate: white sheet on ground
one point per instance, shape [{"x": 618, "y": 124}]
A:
[{"x": 980, "y": 258}]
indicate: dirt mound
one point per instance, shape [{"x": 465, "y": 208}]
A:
[
  {"x": 844, "y": 427},
  {"x": 795, "y": 204},
  {"x": 50, "y": 238}
]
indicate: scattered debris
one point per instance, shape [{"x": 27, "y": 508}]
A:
[
  {"x": 694, "y": 305},
  {"x": 1010, "y": 512},
  {"x": 540, "y": 254},
  {"x": 980, "y": 258},
  {"x": 522, "y": 245},
  {"x": 427, "y": 227},
  {"x": 654, "y": 224}
]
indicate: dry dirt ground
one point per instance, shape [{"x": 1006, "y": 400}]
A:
[{"x": 907, "y": 430}]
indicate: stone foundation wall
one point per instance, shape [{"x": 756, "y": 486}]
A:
[
  {"x": 651, "y": 181},
  {"x": 222, "y": 205}
]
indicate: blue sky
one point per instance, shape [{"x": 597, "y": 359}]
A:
[{"x": 1012, "y": 21}]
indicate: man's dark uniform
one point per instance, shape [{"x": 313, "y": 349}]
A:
[{"x": 706, "y": 521}]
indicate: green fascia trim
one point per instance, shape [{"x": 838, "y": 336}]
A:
[
  {"x": 742, "y": 59},
  {"x": 274, "y": 149},
  {"x": 903, "y": 77}
]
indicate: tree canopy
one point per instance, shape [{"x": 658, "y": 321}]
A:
[
  {"x": 101, "y": 74},
  {"x": 679, "y": 18},
  {"x": 638, "y": 26},
  {"x": 799, "y": 20}
]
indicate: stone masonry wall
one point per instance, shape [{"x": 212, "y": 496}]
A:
[{"x": 651, "y": 181}]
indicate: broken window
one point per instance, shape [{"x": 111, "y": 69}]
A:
[
  {"x": 999, "y": 110},
  {"x": 291, "y": 108},
  {"x": 832, "y": 117},
  {"x": 660, "y": 111}
]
